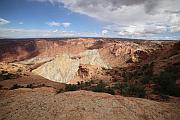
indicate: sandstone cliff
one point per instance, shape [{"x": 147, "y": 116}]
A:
[{"x": 60, "y": 59}]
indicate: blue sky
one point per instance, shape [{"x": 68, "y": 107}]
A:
[{"x": 92, "y": 18}]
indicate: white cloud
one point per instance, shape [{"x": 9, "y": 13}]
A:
[
  {"x": 64, "y": 24},
  {"x": 174, "y": 23},
  {"x": 136, "y": 30},
  {"x": 124, "y": 11},
  {"x": 104, "y": 32},
  {"x": 39, "y": 33},
  {"x": 3, "y": 21},
  {"x": 55, "y": 31},
  {"x": 21, "y": 23},
  {"x": 53, "y": 23},
  {"x": 132, "y": 17}
]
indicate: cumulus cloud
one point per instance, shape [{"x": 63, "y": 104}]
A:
[
  {"x": 21, "y": 23},
  {"x": 64, "y": 24},
  {"x": 53, "y": 23},
  {"x": 3, "y": 21},
  {"x": 132, "y": 17},
  {"x": 39, "y": 33},
  {"x": 137, "y": 30},
  {"x": 104, "y": 32}
]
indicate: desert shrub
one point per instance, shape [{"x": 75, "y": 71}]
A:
[
  {"x": 101, "y": 87},
  {"x": 147, "y": 73},
  {"x": 1, "y": 86},
  {"x": 125, "y": 89},
  {"x": 143, "y": 73},
  {"x": 146, "y": 79},
  {"x": 91, "y": 81},
  {"x": 41, "y": 85},
  {"x": 82, "y": 85},
  {"x": 16, "y": 86},
  {"x": 19, "y": 70},
  {"x": 137, "y": 90},
  {"x": 60, "y": 91},
  {"x": 5, "y": 75},
  {"x": 128, "y": 76},
  {"x": 29, "y": 86},
  {"x": 87, "y": 84},
  {"x": 78, "y": 83},
  {"x": 110, "y": 91},
  {"x": 164, "y": 97},
  {"x": 130, "y": 89},
  {"x": 118, "y": 85},
  {"x": 36, "y": 86},
  {"x": 167, "y": 81},
  {"x": 71, "y": 87}
]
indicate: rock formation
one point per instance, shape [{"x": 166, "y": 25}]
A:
[
  {"x": 64, "y": 68},
  {"x": 29, "y": 69},
  {"x": 59, "y": 59}
]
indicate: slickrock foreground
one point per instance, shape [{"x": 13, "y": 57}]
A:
[{"x": 45, "y": 104}]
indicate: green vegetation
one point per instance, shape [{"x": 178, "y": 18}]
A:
[
  {"x": 166, "y": 81},
  {"x": 101, "y": 87},
  {"x": 59, "y": 91},
  {"x": 134, "y": 82},
  {"x": 16, "y": 86},
  {"x": 130, "y": 89},
  {"x": 83, "y": 85},
  {"x": 6, "y": 75},
  {"x": 96, "y": 87},
  {"x": 29, "y": 86},
  {"x": 71, "y": 87},
  {"x": 144, "y": 74},
  {"x": 1, "y": 86}
]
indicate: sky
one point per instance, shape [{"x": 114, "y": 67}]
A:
[{"x": 137, "y": 19}]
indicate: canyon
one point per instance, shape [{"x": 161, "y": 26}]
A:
[
  {"x": 59, "y": 60},
  {"x": 58, "y": 78}
]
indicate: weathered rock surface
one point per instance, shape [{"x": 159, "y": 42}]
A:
[
  {"x": 64, "y": 68},
  {"x": 59, "y": 59},
  {"x": 41, "y": 49},
  {"x": 71, "y": 60},
  {"x": 44, "y": 104}
]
